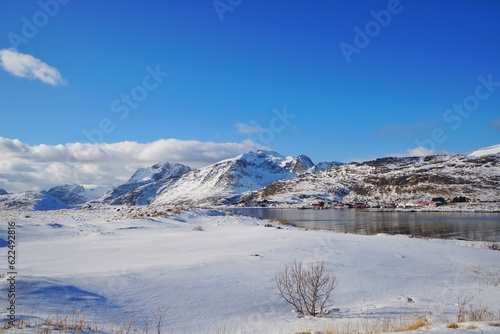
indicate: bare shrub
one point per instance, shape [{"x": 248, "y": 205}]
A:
[
  {"x": 198, "y": 228},
  {"x": 466, "y": 311},
  {"x": 462, "y": 302},
  {"x": 160, "y": 314},
  {"x": 494, "y": 246},
  {"x": 479, "y": 313},
  {"x": 306, "y": 289}
]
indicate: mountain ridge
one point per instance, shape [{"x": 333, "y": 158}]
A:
[
  {"x": 254, "y": 177},
  {"x": 391, "y": 179},
  {"x": 225, "y": 181}
]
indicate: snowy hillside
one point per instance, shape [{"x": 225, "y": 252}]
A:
[
  {"x": 486, "y": 151},
  {"x": 211, "y": 272},
  {"x": 31, "y": 200},
  {"x": 224, "y": 181},
  {"x": 142, "y": 187},
  {"x": 392, "y": 179}
]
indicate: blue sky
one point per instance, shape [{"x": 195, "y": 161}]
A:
[{"x": 236, "y": 67}]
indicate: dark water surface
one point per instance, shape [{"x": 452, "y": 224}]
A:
[{"x": 445, "y": 225}]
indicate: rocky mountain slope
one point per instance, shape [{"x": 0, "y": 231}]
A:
[
  {"x": 143, "y": 186},
  {"x": 3, "y": 191},
  {"x": 224, "y": 181},
  {"x": 391, "y": 179},
  {"x": 219, "y": 183}
]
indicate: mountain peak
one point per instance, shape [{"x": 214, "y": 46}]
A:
[
  {"x": 144, "y": 184},
  {"x": 157, "y": 172},
  {"x": 256, "y": 155},
  {"x": 74, "y": 194},
  {"x": 225, "y": 181},
  {"x": 301, "y": 164}
]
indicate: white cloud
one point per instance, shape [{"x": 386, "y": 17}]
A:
[
  {"x": 248, "y": 129},
  {"x": 25, "y": 167},
  {"x": 418, "y": 152},
  {"x": 27, "y": 66}
]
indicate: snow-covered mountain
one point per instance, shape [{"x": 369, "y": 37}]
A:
[
  {"x": 3, "y": 192},
  {"x": 300, "y": 164},
  {"x": 219, "y": 183},
  {"x": 392, "y": 179},
  {"x": 225, "y": 181},
  {"x": 324, "y": 165},
  {"x": 31, "y": 200},
  {"x": 74, "y": 194},
  {"x": 268, "y": 176},
  {"x": 143, "y": 186},
  {"x": 486, "y": 151}
]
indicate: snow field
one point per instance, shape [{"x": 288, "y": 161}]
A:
[{"x": 115, "y": 269}]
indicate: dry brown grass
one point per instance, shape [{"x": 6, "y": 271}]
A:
[
  {"x": 74, "y": 324},
  {"x": 77, "y": 323},
  {"x": 283, "y": 222},
  {"x": 374, "y": 326}
]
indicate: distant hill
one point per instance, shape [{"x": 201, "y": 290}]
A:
[
  {"x": 31, "y": 200},
  {"x": 75, "y": 194},
  {"x": 391, "y": 179}
]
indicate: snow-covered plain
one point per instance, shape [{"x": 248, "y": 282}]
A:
[{"x": 213, "y": 272}]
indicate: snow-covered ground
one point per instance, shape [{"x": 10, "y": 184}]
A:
[{"x": 212, "y": 272}]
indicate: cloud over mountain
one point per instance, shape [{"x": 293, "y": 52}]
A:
[{"x": 24, "y": 167}]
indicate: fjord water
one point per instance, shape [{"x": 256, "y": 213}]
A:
[{"x": 445, "y": 225}]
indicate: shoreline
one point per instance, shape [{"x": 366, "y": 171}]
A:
[{"x": 485, "y": 207}]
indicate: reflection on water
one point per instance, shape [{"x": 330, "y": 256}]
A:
[{"x": 445, "y": 225}]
